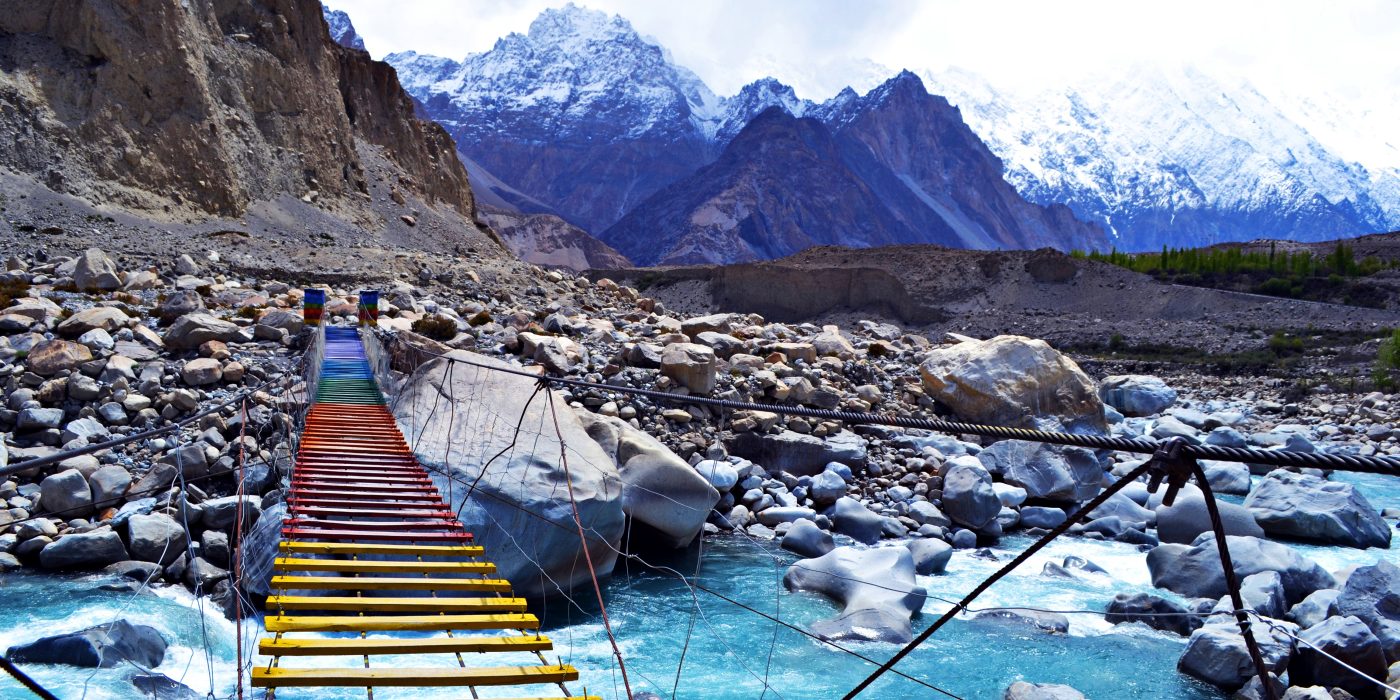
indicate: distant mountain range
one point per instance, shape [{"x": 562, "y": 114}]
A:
[{"x": 583, "y": 118}]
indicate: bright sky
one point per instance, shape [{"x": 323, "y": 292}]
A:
[{"x": 1342, "y": 47}]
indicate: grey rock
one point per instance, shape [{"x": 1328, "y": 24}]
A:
[
  {"x": 693, "y": 366},
  {"x": 1195, "y": 571},
  {"x": 188, "y": 459},
  {"x": 103, "y": 646},
  {"x": 807, "y": 540},
  {"x": 1216, "y": 654},
  {"x": 192, "y": 330},
  {"x": 1227, "y": 477},
  {"x": 964, "y": 539},
  {"x": 180, "y": 303},
  {"x": 522, "y": 479},
  {"x": 66, "y": 494},
  {"x": 1048, "y": 472},
  {"x": 875, "y": 587},
  {"x": 1372, "y": 594},
  {"x": 1154, "y": 611},
  {"x": 798, "y": 454},
  {"x": 1264, "y": 593},
  {"x": 1349, "y": 640},
  {"x": 1137, "y": 394},
  {"x": 89, "y": 550},
  {"x": 108, "y": 485},
  {"x": 968, "y": 497},
  {"x": 95, "y": 271},
  {"x": 721, "y": 475},
  {"x": 777, "y": 515},
  {"x": 34, "y": 419},
  {"x": 851, "y": 518},
  {"x": 221, "y": 513},
  {"x": 827, "y": 487},
  {"x": 1315, "y": 608},
  {"x": 658, "y": 487},
  {"x": 930, "y": 555},
  {"x": 925, "y": 513},
  {"x": 156, "y": 538},
  {"x": 1307, "y": 507},
  {"x": 1042, "y": 517},
  {"x": 1188, "y": 518}
]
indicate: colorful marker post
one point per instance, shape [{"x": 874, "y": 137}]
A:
[
  {"x": 369, "y": 307},
  {"x": 312, "y": 304}
]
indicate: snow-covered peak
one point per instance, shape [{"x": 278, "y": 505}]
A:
[
  {"x": 752, "y": 100},
  {"x": 571, "y": 28},
  {"x": 341, "y": 29}
]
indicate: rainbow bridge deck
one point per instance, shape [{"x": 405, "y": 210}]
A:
[{"x": 371, "y": 551}]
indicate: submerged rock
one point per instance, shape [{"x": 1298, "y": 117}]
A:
[
  {"x": 1154, "y": 611},
  {"x": 102, "y": 646},
  {"x": 875, "y": 587},
  {"x": 1021, "y": 690}
]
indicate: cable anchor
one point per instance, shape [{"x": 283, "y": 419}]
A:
[{"x": 1171, "y": 464}]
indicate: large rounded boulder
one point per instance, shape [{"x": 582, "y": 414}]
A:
[{"x": 1012, "y": 380}]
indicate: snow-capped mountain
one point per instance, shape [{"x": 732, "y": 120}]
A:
[
  {"x": 1175, "y": 157},
  {"x": 588, "y": 119},
  {"x": 342, "y": 31}
]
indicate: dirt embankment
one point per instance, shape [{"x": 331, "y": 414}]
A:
[{"x": 1037, "y": 293}]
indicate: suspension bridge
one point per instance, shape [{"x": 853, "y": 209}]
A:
[{"x": 371, "y": 547}]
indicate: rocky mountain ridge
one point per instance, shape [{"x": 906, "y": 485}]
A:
[{"x": 589, "y": 119}]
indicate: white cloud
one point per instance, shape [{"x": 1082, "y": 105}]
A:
[{"x": 1344, "y": 48}]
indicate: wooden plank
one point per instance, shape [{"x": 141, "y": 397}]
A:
[
  {"x": 317, "y": 534},
  {"x": 435, "y": 645},
  {"x": 399, "y": 623},
  {"x": 411, "y": 677},
  {"x": 386, "y": 604},
  {"x": 325, "y": 511},
  {"x": 383, "y": 567},
  {"x": 407, "y": 550},
  {"x": 390, "y": 583}
]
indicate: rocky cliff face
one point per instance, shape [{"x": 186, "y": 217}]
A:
[
  {"x": 546, "y": 239},
  {"x": 205, "y": 107}
]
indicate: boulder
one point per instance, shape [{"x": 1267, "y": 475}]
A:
[
  {"x": 725, "y": 346},
  {"x": 108, "y": 485},
  {"x": 830, "y": 342},
  {"x": 931, "y": 555},
  {"x": 1188, "y": 518},
  {"x": 190, "y": 331},
  {"x": 1047, "y": 472},
  {"x": 281, "y": 318},
  {"x": 1154, "y": 611},
  {"x": 94, "y": 272},
  {"x": 1351, "y": 642},
  {"x": 220, "y": 513},
  {"x": 1227, "y": 477},
  {"x": 875, "y": 587},
  {"x": 690, "y": 365},
  {"x": 1120, "y": 505},
  {"x": 1307, "y": 507},
  {"x": 34, "y": 419},
  {"x": 852, "y": 519},
  {"x": 1021, "y": 690},
  {"x": 714, "y": 323},
  {"x": 1372, "y": 595},
  {"x": 925, "y": 513},
  {"x": 524, "y": 547},
  {"x": 66, "y": 494},
  {"x": 968, "y": 497},
  {"x": 1262, "y": 592},
  {"x": 659, "y": 488},
  {"x": 103, "y": 318},
  {"x": 1137, "y": 394},
  {"x": 1041, "y": 517},
  {"x": 156, "y": 538},
  {"x": 179, "y": 303},
  {"x": 88, "y": 550},
  {"x": 826, "y": 487},
  {"x": 1315, "y": 608},
  {"x": 721, "y": 475},
  {"x": 807, "y": 540},
  {"x": 202, "y": 371},
  {"x": 1216, "y": 653},
  {"x": 1011, "y": 380},
  {"x": 189, "y": 459},
  {"x": 103, "y": 646},
  {"x": 1195, "y": 571},
  {"x": 53, "y": 356},
  {"x": 799, "y": 454}
]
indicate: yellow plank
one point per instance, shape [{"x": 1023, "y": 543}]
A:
[
  {"x": 398, "y": 623},
  {"x": 366, "y": 583},
  {"x": 384, "y": 567},
  {"x": 408, "y": 550},
  {"x": 329, "y": 602},
  {"x": 416, "y": 677},
  {"x": 436, "y": 645}
]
